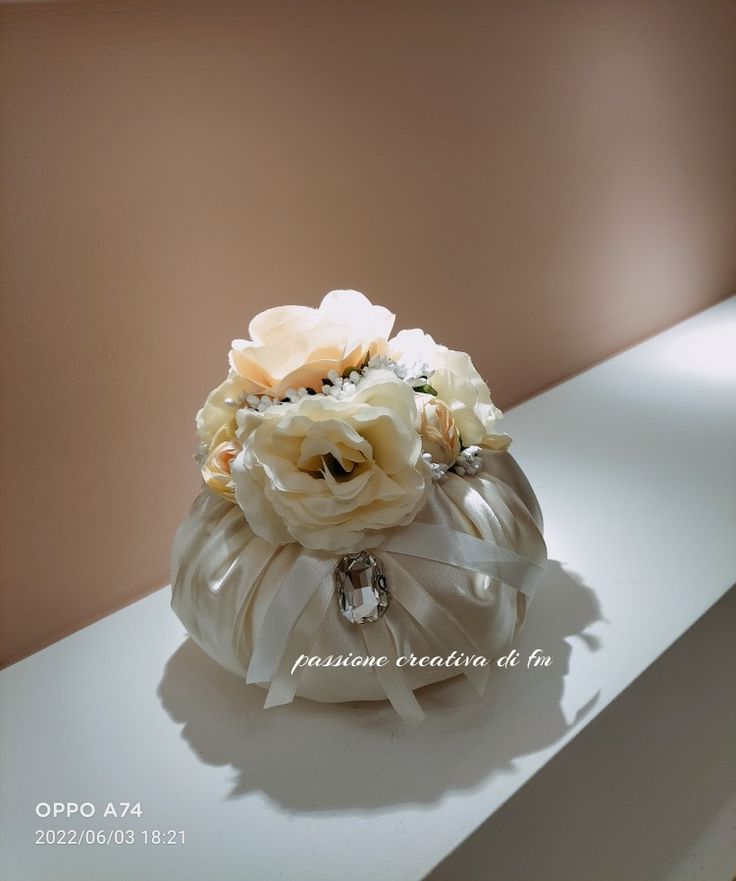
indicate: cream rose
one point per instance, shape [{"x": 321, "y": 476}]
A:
[
  {"x": 220, "y": 408},
  {"x": 462, "y": 388},
  {"x": 331, "y": 474},
  {"x": 294, "y": 347},
  {"x": 456, "y": 382},
  {"x": 437, "y": 428}
]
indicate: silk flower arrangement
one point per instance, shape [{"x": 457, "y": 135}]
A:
[{"x": 357, "y": 499}]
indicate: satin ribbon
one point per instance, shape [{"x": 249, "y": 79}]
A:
[
  {"x": 444, "y": 545},
  {"x": 438, "y": 623},
  {"x": 301, "y": 639},
  {"x": 379, "y": 643},
  {"x": 311, "y": 574},
  {"x": 292, "y": 621}
]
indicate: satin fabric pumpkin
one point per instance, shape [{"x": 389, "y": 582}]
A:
[{"x": 224, "y": 579}]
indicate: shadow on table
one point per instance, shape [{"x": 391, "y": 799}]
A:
[
  {"x": 308, "y": 756},
  {"x": 649, "y": 788}
]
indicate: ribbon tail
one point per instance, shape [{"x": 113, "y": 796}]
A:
[
  {"x": 379, "y": 643},
  {"x": 307, "y": 575},
  {"x": 285, "y": 683},
  {"x": 439, "y": 624}
]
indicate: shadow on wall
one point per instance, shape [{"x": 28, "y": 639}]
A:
[{"x": 360, "y": 756}]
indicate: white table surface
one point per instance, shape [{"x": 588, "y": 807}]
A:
[
  {"x": 634, "y": 465},
  {"x": 647, "y": 792}
]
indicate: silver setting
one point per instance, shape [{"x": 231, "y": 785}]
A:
[{"x": 361, "y": 588}]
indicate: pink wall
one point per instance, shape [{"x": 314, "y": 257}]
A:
[{"x": 538, "y": 183}]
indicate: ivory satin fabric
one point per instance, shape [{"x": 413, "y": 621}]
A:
[{"x": 224, "y": 579}]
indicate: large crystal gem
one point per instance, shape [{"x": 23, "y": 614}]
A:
[{"x": 362, "y": 588}]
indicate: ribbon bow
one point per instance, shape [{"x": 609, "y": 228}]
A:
[{"x": 293, "y": 619}]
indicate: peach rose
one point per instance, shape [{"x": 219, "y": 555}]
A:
[
  {"x": 216, "y": 469},
  {"x": 440, "y": 437},
  {"x": 294, "y": 347}
]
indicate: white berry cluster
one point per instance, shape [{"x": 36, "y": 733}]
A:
[
  {"x": 439, "y": 469},
  {"x": 262, "y": 403},
  {"x": 414, "y": 374},
  {"x": 336, "y": 386},
  {"x": 468, "y": 462}
]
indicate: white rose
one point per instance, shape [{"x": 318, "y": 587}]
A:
[
  {"x": 331, "y": 474},
  {"x": 462, "y": 388},
  {"x": 294, "y": 347},
  {"x": 415, "y": 350},
  {"x": 456, "y": 382}
]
